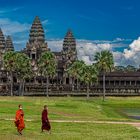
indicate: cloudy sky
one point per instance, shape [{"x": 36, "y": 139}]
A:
[{"x": 97, "y": 25}]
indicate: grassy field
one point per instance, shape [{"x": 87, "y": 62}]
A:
[
  {"x": 70, "y": 131},
  {"x": 67, "y": 108}
]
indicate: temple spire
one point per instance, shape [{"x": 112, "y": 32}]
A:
[
  {"x": 69, "y": 52},
  {"x": 9, "y": 44},
  {"x": 69, "y": 41},
  {"x": 69, "y": 33},
  {"x": 2, "y": 40},
  {"x": 37, "y": 32},
  {"x": 36, "y": 44}
]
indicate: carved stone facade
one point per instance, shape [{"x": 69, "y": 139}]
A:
[
  {"x": 6, "y": 44},
  {"x": 69, "y": 54},
  {"x": 36, "y": 44},
  {"x": 9, "y": 44}
]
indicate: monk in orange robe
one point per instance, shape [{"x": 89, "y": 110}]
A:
[
  {"x": 45, "y": 121},
  {"x": 19, "y": 120}
]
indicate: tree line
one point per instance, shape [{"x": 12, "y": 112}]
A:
[
  {"x": 20, "y": 64},
  {"x": 88, "y": 74}
]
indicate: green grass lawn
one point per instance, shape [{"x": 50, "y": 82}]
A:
[
  {"x": 68, "y": 108},
  {"x": 70, "y": 131}
]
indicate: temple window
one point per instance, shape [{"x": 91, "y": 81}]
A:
[
  {"x": 122, "y": 83},
  {"x": 67, "y": 80},
  {"x": 33, "y": 56},
  {"x": 127, "y": 83},
  {"x": 132, "y": 82}
]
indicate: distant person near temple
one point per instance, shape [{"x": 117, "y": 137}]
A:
[
  {"x": 45, "y": 121},
  {"x": 19, "y": 120}
]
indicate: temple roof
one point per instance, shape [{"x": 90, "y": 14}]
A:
[
  {"x": 37, "y": 31},
  {"x": 2, "y": 39},
  {"x": 9, "y": 44},
  {"x": 69, "y": 40},
  {"x": 69, "y": 33}
]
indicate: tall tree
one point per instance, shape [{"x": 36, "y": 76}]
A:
[
  {"x": 23, "y": 70},
  {"x": 88, "y": 75},
  {"x": 105, "y": 63},
  {"x": 74, "y": 72},
  {"x": 10, "y": 65},
  {"x": 47, "y": 66}
]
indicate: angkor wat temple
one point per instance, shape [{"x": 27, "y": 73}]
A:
[{"x": 117, "y": 83}]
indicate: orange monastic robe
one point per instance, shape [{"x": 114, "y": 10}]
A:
[{"x": 19, "y": 120}]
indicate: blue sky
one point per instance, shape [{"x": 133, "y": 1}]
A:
[
  {"x": 90, "y": 19},
  {"x": 105, "y": 22}
]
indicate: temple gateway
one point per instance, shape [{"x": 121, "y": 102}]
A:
[{"x": 117, "y": 83}]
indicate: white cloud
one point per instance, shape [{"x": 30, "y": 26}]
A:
[
  {"x": 119, "y": 39},
  {"x": 119, "y": 58},
  {"x": 18, "y": 31},
  {"x": 55, "y": 45},
  {"x": 129, "y": 56},
  {"x": 45, "y": 22},
  {"x": 132, "y": 55},
  {"x": 4, "y": 11},
  {"x": 86, "y": 59},
  {"x": 10, "y": 27},
  {"x": 86, "y": 50}
]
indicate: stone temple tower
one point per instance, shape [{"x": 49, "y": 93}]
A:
[
  {"x": 36, "y": 44},
  {"x": 69, "y": 54},
  {"x": 2, "y": 42},
  {"x": 5, "y": 45},
  {"x": 2, "y": 47},
  {"x": 9, "y": 44}
]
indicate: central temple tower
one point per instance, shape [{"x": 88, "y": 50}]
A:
[
  {"x": 69, "y": 54},
  {"x": 36, "y": 44}
]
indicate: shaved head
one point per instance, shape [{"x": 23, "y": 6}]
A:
[{"x": 45, "y": 106}]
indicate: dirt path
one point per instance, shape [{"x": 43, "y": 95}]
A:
[{"x": 135, "y": 124}]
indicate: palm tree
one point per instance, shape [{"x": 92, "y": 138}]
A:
[
  {"x": 74, "y": 71},
  {"x": 88, "y": 75},
  {"x": 105, "y": 63},
  {"x": 10, "y": 65},
  {"x": 47, "y": 66},
  {"x": 23, "y": 69}
]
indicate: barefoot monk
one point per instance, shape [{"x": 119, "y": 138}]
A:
[
  {"x": 19, "y": 120},
  {"x": 45, "y": 121}
]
